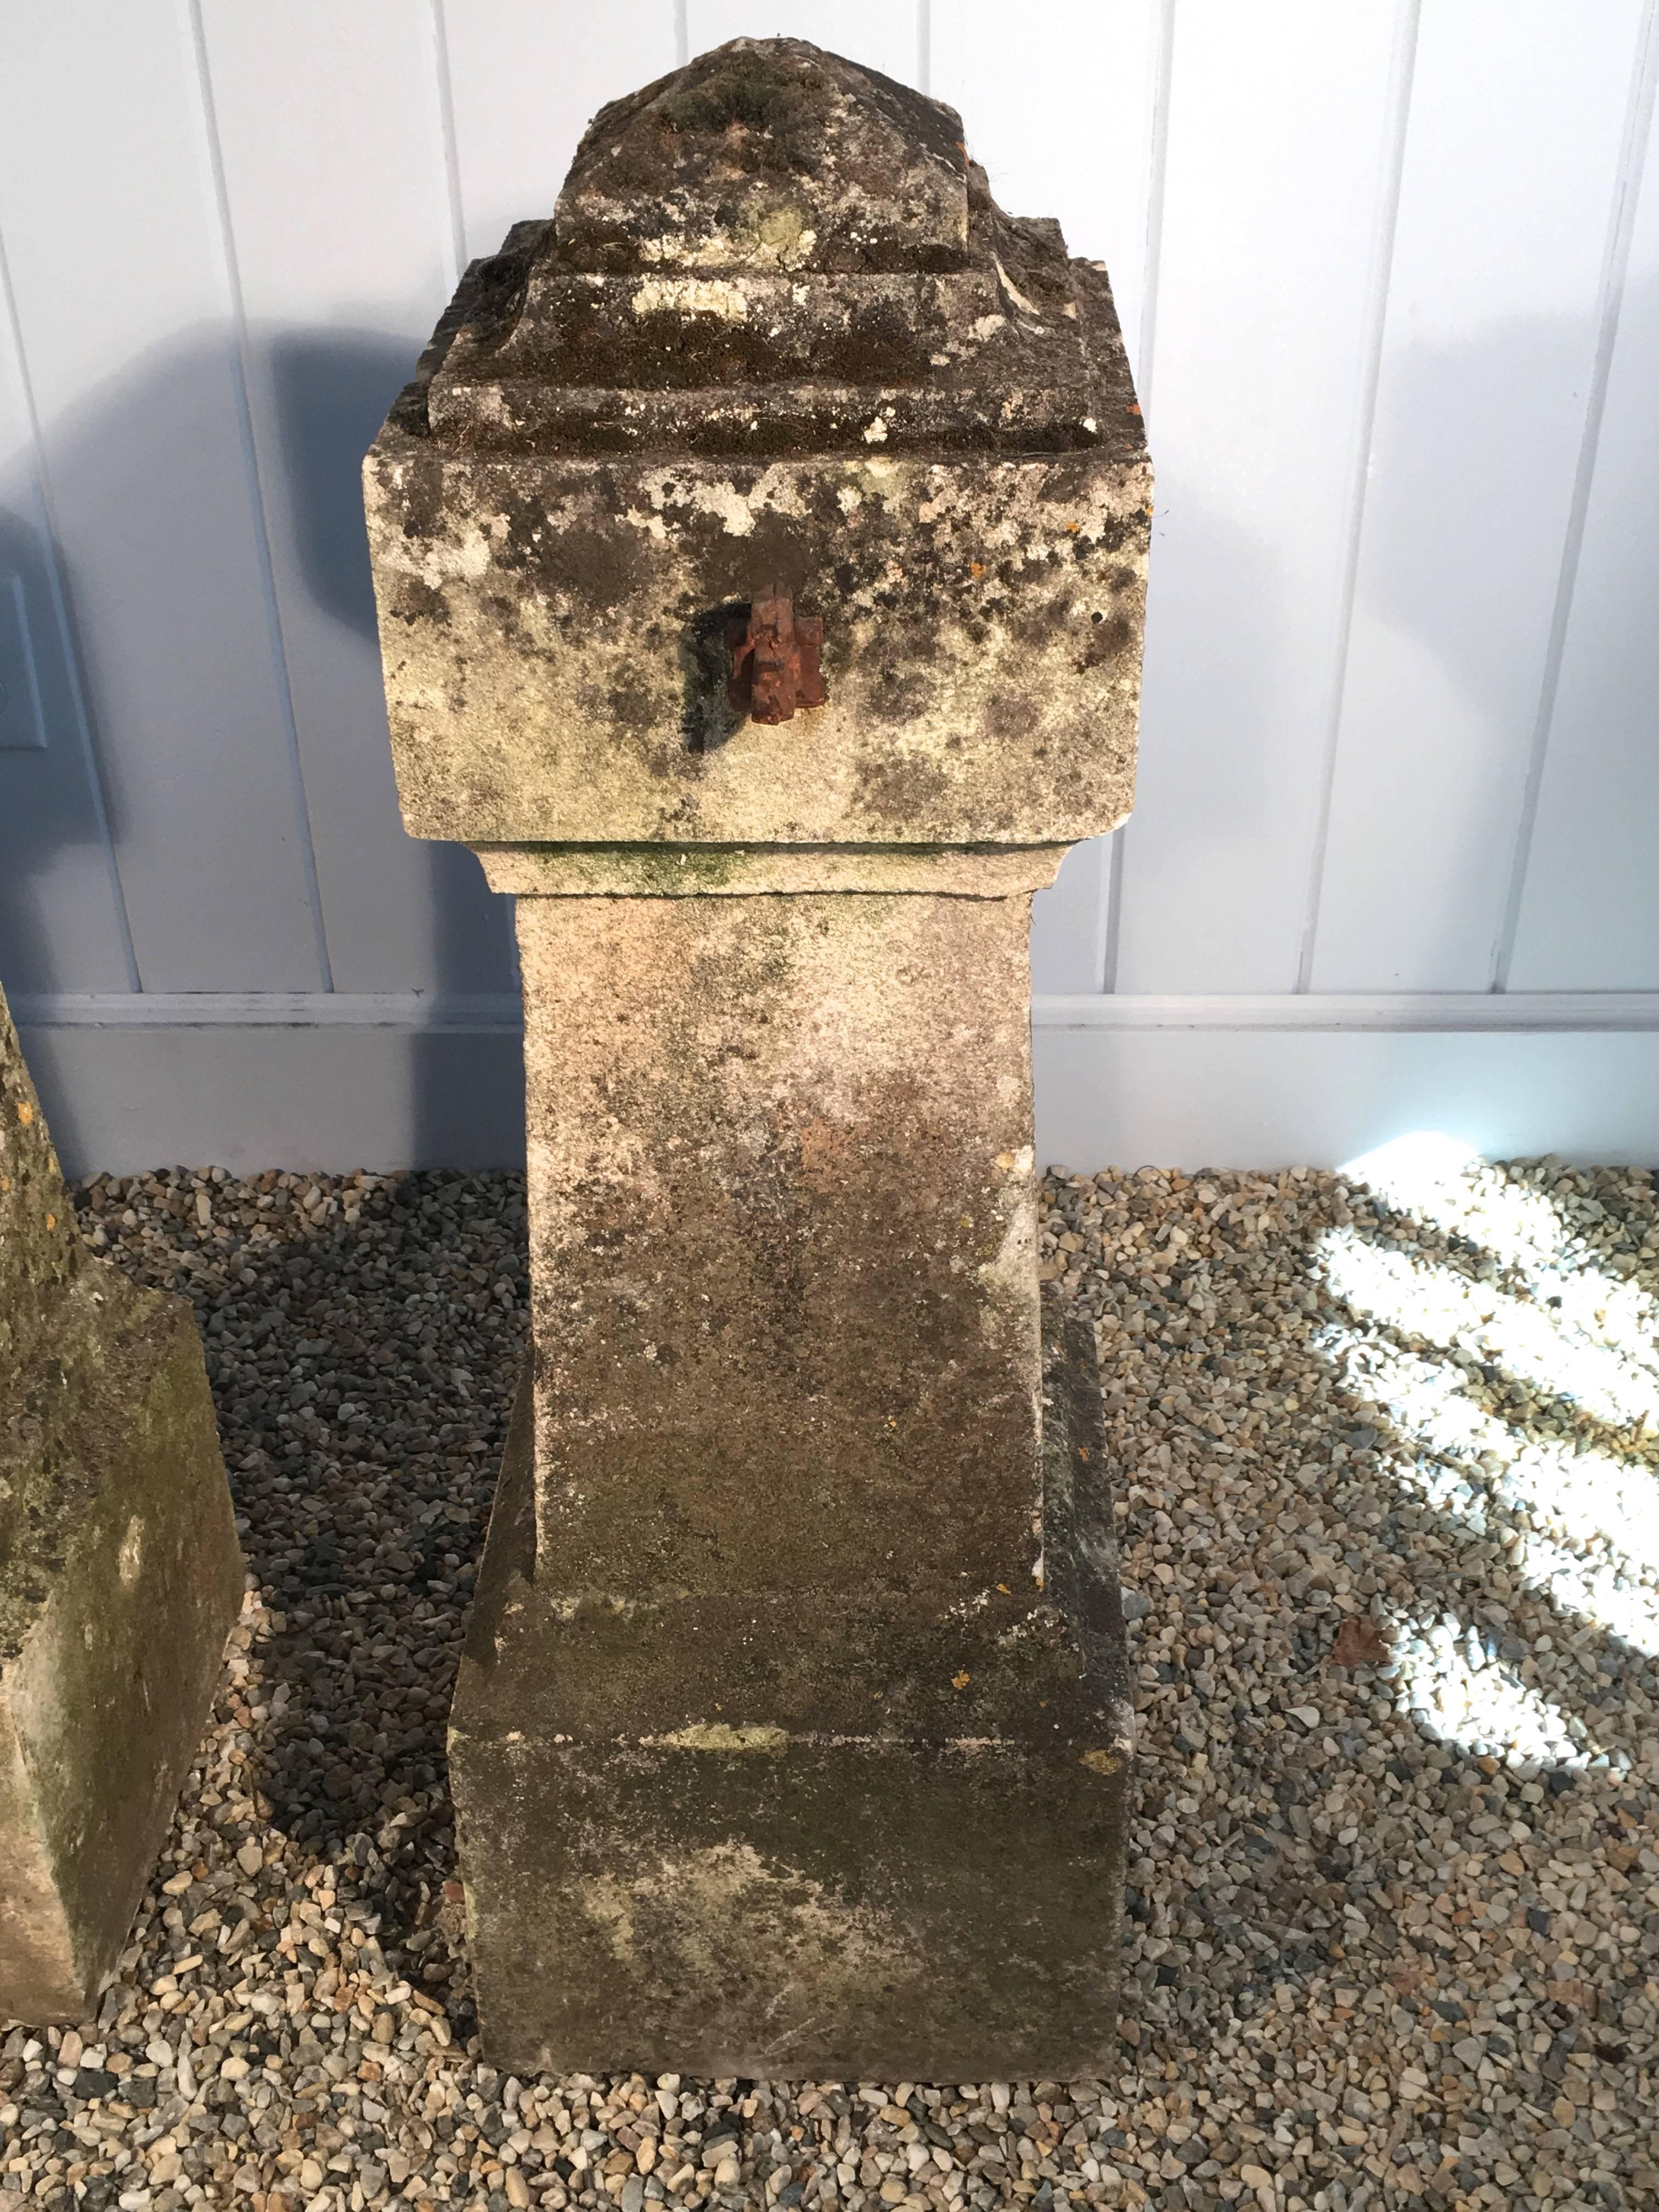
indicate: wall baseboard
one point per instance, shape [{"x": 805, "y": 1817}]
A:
[
  {"x": 1267, "y": 1098},
  {"x": 384, "y": 1080},
  {"x": 431, "y": 1014},
  {"x": 1396, "y": 1011},
  {"x": 420, "y": 1013},
  {"x": 126, "y": 1096}
]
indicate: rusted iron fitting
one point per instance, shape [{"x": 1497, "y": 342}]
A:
[{"x": 775, "y": 658}]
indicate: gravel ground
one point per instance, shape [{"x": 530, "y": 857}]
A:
[{"x": 1394, "y": 1920}]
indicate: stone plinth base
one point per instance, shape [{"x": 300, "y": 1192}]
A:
[
  {"x": 116, "y": 1596},
  {"x": 877, "y": 1836}
]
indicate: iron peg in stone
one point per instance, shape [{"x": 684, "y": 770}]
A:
[{"x": 775, "y": 658}]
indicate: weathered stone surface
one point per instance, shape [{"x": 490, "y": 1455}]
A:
[
  {"x": 849, "y": 1832},
  {"x": 737, "y": 870},
  {"x": 119, "y": 1577},
  {"x": 791, "y": 1647},
  {"x": 769, "y": 154},
  {"x": 923, "y": 431},
  {"x": 799, "y": 1625},
  {"x": 782, "y": 1241}
]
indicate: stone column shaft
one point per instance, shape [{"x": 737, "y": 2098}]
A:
[{"x": 782, "y": 1239}]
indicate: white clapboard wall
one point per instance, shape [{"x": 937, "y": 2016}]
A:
[{"x": 1389, "y": 275}]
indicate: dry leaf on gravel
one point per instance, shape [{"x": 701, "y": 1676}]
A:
[{"x": 1360, "y": 1642}]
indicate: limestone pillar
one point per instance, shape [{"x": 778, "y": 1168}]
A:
[
  {"x": 120, "y": 1576},
  {"x": 760, "y": 554}
]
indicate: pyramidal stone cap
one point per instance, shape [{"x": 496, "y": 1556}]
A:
[
  {"x": 769, "y": 154},
  {"x": 775, "y": 343}
]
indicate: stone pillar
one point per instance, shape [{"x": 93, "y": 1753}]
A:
[
  {"x": 760, "y": 554},
  {"x": 120, "y": 1576}
]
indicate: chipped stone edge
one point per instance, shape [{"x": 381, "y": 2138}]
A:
[{"x": 669, "y": 871}]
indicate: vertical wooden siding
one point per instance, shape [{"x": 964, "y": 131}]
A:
[
  {"x": 1390, "y": 273},
  {"x": 1514, "y": 159}
]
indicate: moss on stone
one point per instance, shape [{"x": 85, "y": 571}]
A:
[{"x": 119, "y": 1577}]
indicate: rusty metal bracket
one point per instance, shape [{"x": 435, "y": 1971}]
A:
[{"x": 775, "y": 659}]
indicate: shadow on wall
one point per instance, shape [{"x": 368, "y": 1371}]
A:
[
  {"x": 166, "y": 623},
  {"x": 48, "y": 816},
  {"x": 331, "y": 392}
]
